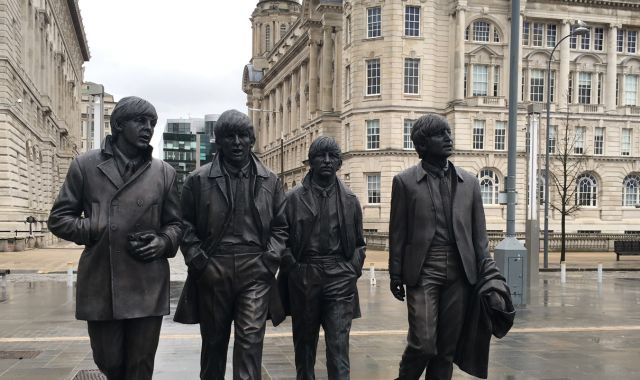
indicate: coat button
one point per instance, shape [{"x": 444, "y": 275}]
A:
[
  {"x": 114, "y": 227},
  {"x": 140, "y": 202}
]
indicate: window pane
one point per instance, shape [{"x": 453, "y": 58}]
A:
[
  {"x": 480, "y": 79},
  {"x": 578, "y": 145},
  {"x": 537, "y": 86},
  {"x": 496, "y": 80},
  {"x": 373, "y": 134},
  {"x": 412, "y": 21},
  {"x": 630, "y": 90},
  {"x": 552, "y": 139},
  {"x": 551, "y": 35},
  {"x": 632, "y": 36},
  {"x": 501, "y": 134},
  {"x": 478, "y": 134},
  {"x": 481, "y": 31},
  {"x": 374, "y": 27},
  {"x": 489, "y": 186},
  {"x": 630, "y": 191},
  {"x": 585, "y": 41},
  {"x": 598, "y": 141},
  {"x": 373, "y": 188},
  {"x": 620, "y": 41},
  {"x": 584, "y": 88},
  {"x": 537, "y": 34},
  {"x": 625, "y": 148},
  {"x": 406, "y": 135},
  {"x": 373, "y": 77},
  {"x": 598, "y": 39},
  {"x": 411, "y": 75},
  {"x": 525, "y": 33}
]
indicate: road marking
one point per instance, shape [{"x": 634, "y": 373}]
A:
[{"x": 515, "y": 330}]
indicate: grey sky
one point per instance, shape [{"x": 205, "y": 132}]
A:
[{"x": 186, "y": 57}]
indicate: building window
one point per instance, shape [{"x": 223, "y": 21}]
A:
[
  {"x": 552, "y": 32},
  {"x": 373, "y": 134},
  {"x": 599, "y": 88},
  {"x": 598, "y": 39},
  {"x": 570, "y": 89},
  {"x": 537, "y": 34},
  {"x": 373, "y": 77},
  {"x": 620, "y": 41},
  {"x": 347, "y": 82},
  {"x": 406, "y": 134},
  {"x": 585, "y": 41},
  {"x": 536, "y": 93},
  {"x": 541, "y": 188},
  {"x": 625, "y": 146},
  {"x": 373, "y": 188},
  {"x": 598, "y": 141},
  {"x": 632, "y": 39},
  {"x": 631, "y": 190},
  {"x": 500, "y": 135},
  {"x": 552, "y": 138},
  {"x": 587, "y": 190},
  {"x": 584, "y": 88},
  {"x": 552, "y": 85},
  {"x": 347, "y": 34},
  {"x": 573, "y": 40},
  {"x": 411, "y": 75},
  {"x": 481, "y": 31},
  {"x": 480, "y": 80},
  {"x": 267, "y": 37},
  {"x": 578, "y": 144},
  {"x": 496, "y": 35},
  {"x": 525, "y": 33},
  {"x": 478, "y": 134},
  {"x": 489, "y": 186},
  {"x": 496, "y": 80},
  {"x": 347, "y": 137},
  {"x": 412, "y": 21},
  {"x": 283, "y": 30},
  {"x": 374, "y": 23},
  {"x": 630, "y": 90}
]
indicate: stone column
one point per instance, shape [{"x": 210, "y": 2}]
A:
[
  {"x": 612, "y": 69},
  {"x": 304, "y": 111},
  {"x": 313, "y": 76},
  {"x": 458, "y": 61},
  {"x": 338, "y": 70},
  {"x": 272, "y": 117},
  {"x": 326, "y": 77},
  {"x": 279, "y": 111},
  {"x": 293, "y": 122},
  {"x": 286, "y": 106},
  {"x": 255, "y": 120},
  {"x": 562, "y": 79}
]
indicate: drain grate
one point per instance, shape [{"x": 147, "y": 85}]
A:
[
  {"x": 89, "y": 374},
  {"x": 19, "y": 354}
]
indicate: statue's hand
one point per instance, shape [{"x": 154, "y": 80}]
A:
[
  {"x": 148, "y": 246},
  {"x": 397, "y": 289}
]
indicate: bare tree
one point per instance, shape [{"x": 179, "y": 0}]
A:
[{"x": 568, "y": 161}]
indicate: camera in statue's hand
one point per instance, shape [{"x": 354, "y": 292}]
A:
[{"x": 146, "y": 246}]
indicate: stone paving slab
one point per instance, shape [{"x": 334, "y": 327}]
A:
[{"x": 578, "y": 330}]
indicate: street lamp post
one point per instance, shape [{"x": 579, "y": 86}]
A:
[{"x": 579, "y": 30}]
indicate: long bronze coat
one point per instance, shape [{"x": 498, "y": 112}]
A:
[
  {"x": 97, "y": 209},
  {"x": 301, "y": 212},
  {"x": 413, "y": 221},
  {"x": 207, "y": 210}
]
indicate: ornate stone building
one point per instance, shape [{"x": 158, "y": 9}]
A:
[
  {"x": 362, "y": 71},
  {"x": 42, "y": 52},
  {"x": 95, "y": 101}
]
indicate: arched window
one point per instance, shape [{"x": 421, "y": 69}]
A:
[
  {"x": 489, "y": 186},
  {"x": 482, "y": 31},
  {"x": 267, "y": 37},
  {"x": 587, "y": 190},
  {"x": 631, "y": 190}
]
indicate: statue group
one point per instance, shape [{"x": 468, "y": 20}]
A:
[{"x": 254, "y": 253}]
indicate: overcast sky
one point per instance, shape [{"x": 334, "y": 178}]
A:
[{"x": 186, "y": 57}]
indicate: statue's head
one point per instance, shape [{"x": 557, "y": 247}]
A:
[
  {"x": 325, "y": 157},
  {"x": 134, "y": 120},
  {"x": 431, "y": 136},
  {"x": 234, "y": 137}
]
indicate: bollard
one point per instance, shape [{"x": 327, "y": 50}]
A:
[
  {"x": 372, "y": 274},
  {"x": 70, "y": 274},
  {"x": 599, "y": 272},
  {"x": 563, "y": 272}
]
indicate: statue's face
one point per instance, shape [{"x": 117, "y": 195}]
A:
[
  {"x": 236, "y": 147},
  {"x": 439, "y": 145},
  {"x": 325, "y": 165},
  {"x": 137, "y": 132}
]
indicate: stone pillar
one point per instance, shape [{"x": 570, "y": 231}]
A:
[
  {"x": 458, "y": 62},
  {"x": 286, "y": 106},
  {"x": 338, "y": 73},
  {"x": 304, "y": 110},
  {"x": 313, "y": 76},
  {"x": 612, "y": 69},
  {"x": 272, "y": 117},
  {"x": 255, "y": 120},
  {"x": 293, "y": 122},
  {"x": 326, "y": 77},
  {"x": 279, "y": 111},
  {"x": 562, "y": 79}
]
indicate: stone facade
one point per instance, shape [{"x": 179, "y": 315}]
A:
[
  {"x": 41, "y": 57},
  {"x": 90, "y": 110},
  {"x": 361, "y": 71}
]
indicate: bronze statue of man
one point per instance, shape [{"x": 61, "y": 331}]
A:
[
  {"x": 123, "y": 206},
  {"x": 437, "y": 239},
  {"x": 235, "y": 232},
  {"x": 324, "y": 258}
]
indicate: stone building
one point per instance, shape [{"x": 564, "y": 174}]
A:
[
  {"x": 42, "y": 50},
  {"x": 362, "y": 71},
  {"x": 95, "y": 102}
]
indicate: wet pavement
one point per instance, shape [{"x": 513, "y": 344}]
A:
[{"x": 576, "y": 330}]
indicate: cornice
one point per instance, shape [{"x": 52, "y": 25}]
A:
[
  {"x": 79, "y": 28},
  {"x": 633, "y": 4}
]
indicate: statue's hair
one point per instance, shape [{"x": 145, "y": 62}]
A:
[
  {"x": 324, "y": 144},
  {"x": 426, "y": 126},
  {"x": 128, "y": 108}
]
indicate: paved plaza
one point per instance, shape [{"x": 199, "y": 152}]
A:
[{"x": 577, "y": 330}]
